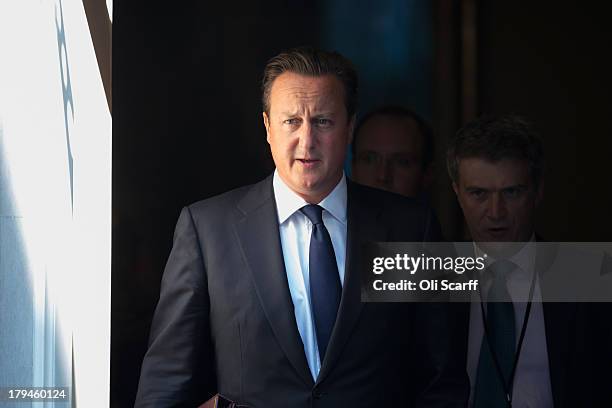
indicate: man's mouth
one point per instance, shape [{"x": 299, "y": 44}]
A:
[
  {"x": 308, "y": 161},
  {"x": 497, "y": 231}
]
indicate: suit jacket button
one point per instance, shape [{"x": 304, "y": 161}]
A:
[{"x": 317, "y": 394}]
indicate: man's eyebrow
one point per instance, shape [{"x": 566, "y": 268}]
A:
[
  {"x": 314, "y": 115},
  {"x": 288, "y": 113},
  {"x": 322, "y": 113},
  {"x": 404, "y": 154},
  {"x": 518, "y": 186}
]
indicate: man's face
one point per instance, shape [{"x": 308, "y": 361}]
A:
[
  {"x": 308, "y": 132},
  {"x": 498, "y": 199},
  {"x": 389, "y": 155}
]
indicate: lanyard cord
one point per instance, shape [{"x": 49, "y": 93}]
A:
[{"x": 508, "y": 386}]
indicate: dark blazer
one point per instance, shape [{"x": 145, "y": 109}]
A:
[
  {"x": 225, "y": 320},
  {"x": 578, "y": 340}
]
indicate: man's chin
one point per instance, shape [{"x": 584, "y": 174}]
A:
[
  {"x": 307, "y": 188},
  {"x": 499, "y": 247},
  {"x": 309, "y": 184}
]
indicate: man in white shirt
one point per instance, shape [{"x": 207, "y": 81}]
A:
[
  {"x": 520, "y": 351},
  {"x": 260, "y": 299}
]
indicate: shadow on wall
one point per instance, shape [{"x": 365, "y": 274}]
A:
[
  {"x": 30, "y": 354},
  {"x": 16, "y": 294}
]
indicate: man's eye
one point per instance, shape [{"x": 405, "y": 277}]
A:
[
  {"x": 513, "y": 192},
  {"x": 291, "y": 121},
  {"x": 404, "y": 163},
  {"x": 323, "y": 122},
  {"x": 477, "y": 194},
  {"x": 369, "y": 157}
]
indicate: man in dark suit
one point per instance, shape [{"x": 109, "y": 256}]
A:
[
  {"x": 260, "y": 299},
  {"x": 534, "y": 354}
]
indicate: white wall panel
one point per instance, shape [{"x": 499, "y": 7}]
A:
[{"x": 55, "y": 203}]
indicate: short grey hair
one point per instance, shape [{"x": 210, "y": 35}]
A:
[{"x": 495, "y": 138}]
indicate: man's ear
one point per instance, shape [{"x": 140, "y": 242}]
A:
[
  {"x": 266, "y": 120},
  {"x": 456, "y": 189},
  {"x": 540, "y": 192},
  {"x": 351, "y": 130}
]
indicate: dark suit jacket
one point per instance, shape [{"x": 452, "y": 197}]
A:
[
  {"x": 578, "y": 340},
  {"x": 225, "y": 320}
]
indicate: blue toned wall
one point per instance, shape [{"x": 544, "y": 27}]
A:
[{"x": 391, "y": 44}]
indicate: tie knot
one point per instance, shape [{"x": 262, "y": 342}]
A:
[
  {"x": 501, "y": 268},
  {"x": 313, "y": 212},
  {"x": 499, "y": 271}
]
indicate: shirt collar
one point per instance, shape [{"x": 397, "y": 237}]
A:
[
  {"x": 524, "y": 259},
  {"x": 288, "y": 202}
]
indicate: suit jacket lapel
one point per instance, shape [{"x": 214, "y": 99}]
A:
[
  {"x": 558, "y": 318},
  {"x": 258, "y": 234},
  {"x": 362, "y": 225}
]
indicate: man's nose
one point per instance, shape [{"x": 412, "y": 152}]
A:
[
  {"x": 384, "y": 172},
  {"x": 497, "y": 207},
  {"x": 307, "y": 136}
]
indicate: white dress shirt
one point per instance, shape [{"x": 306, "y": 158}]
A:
[
  {"x": 532, "y": 379},
  {"x": 295, "y": 231}
]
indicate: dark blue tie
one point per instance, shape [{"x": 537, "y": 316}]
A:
[
  {"x": 489, "y": 391},
  {"x": 325, "y": 288}
]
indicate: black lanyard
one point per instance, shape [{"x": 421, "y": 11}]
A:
[{"x": 508, "y": 386}]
